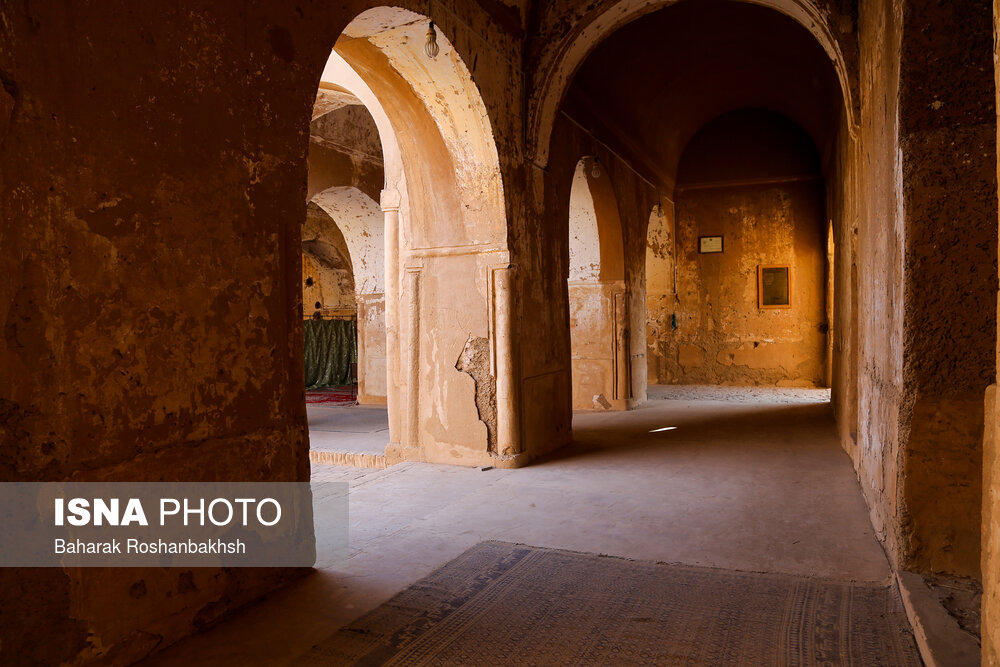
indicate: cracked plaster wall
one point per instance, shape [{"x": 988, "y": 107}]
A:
[
  {"x": 475, "y": 361},
  {"x": 722, "y": 336},
  {"x": 328, "y": 282}
]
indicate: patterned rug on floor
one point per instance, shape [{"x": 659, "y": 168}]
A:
[
  {"x": 332, "y": 395},
  {"x": 508, "y": 604}
]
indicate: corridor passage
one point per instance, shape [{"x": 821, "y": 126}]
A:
[{"x": 751, "y": 480}]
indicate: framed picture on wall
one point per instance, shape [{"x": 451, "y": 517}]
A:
[
  {"x": 709, "y": 244},
  {"x": 774, "y": 286}
]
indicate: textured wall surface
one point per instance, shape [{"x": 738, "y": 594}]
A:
[
  {"x": 153, "y": 161},
  {"x": 722, "y": 336},
  {"x": 596, "y": 291},
  {"x": 153, "y": 180},
  {"x": 991, "y": 462},
  {"x": 947, "y": 140},
  {"x": 328, "y": 277},
  {"x": 927, "y": 253},
  {"x": 990, "y": 628},
  {"x": 753, "y": 177},
  {"x": 880, "y": 280}
]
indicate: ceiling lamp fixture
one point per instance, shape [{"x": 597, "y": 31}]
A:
[
  {"x": 431, "y": 48},
  {"x": 595, "y": 169}
]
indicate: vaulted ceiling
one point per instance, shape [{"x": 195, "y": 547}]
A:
[{"x": 652, "y": 85}]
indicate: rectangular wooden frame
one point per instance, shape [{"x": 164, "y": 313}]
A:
[{"x": 760, "y": 285}]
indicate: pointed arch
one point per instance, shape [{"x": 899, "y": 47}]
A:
[
  {"x": 442, "y": 140},
  {"x": 596, "y": 291},
  {"x": 561, "y": 60},
  {"x": 444, "y": 239},
  {"x": 360, "y": 220}
]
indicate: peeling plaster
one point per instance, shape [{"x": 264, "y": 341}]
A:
[{"x": 475, "y": 361}]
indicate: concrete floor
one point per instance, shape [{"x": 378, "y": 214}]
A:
[
  {"x": 758, "y": 486},
  {"x": 358, "y": 429}
]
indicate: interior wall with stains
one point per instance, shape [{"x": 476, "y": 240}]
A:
[
  {"x": 927, "y": 213},
  {"x": 661, "y": 288},
  {"x": 949, "y": 200},
  {"x": 990, "y": 530},
  {"x": 164, "y": 196},
  {"x": 723, "y": 336},
  {"x": 753, "y": 178}
]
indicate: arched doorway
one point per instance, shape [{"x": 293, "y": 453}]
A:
[
  {"x": 329, "y": 307},
  {"x": 359, "y": 220},
  {"x": 449, "y": 362},
  {"x": 596, "y": 286},
  {"x": 749, "y": 220}
]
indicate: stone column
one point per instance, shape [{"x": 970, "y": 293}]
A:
[
  {"x": 390, "y": 207},
  {"x": 508, "y": 424},
  {"x": 621, "y": 358},
  {"x": 413, "y": 357}
]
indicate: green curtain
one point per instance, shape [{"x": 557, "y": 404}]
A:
[{"x": 330, "y": 349}]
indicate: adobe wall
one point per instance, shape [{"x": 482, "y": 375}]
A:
[
  {"x": 948, "y": 139},
  {"x": 990, "y": 628},
  {"x": 127, "y": 185},
  {"x": 596, "y": 321},
  {"x": 325, "y": 289},
  {"x": 596, "y": 290},
  {"x": 661, "y": 288},
  {"x": 926, "y": 267},
  {"x": 752, "y": 177},
  {"x": 842, "y": 213},
  {"x": 633, "y": 197},
  {"x": 372, "y": 351},
  {"x": 722, "y": 336},
  {"x": 344, "y": 149}
]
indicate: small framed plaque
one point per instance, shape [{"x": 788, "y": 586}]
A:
[
  {"x": 774, "y": 286},
  {"x": 707, "y": 244}
]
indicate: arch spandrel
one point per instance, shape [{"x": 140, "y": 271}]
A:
[{"x": 444, "y": 135}]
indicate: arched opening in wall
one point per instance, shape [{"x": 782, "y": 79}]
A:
[
  {"x": 346, "y": 170},
  {"x": 750, "y": 306},
  {"x": 642, "y": 81},
  {"x": 755, "y": 110},
  {"x": 402, "y": 158},
  {"x": 359, "y": 220},
  {"x": 596, "y": 292},
  {"x": 328, "y": 303},
  {"x": 343, "y": 277}
]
